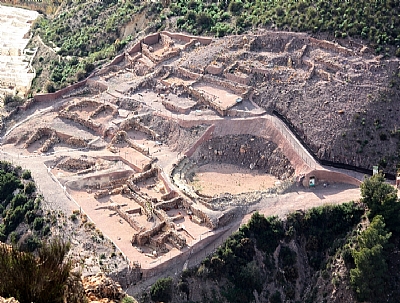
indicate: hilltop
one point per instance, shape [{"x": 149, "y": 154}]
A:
[{"x": 159, "y": 138}]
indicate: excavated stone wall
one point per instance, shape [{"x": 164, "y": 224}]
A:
[
  {"x": 71, "y": 164},
  {"x": 124, "y": 215},
  {"x": 248, "y": 151},
  {"x": 134, "y": 123},
  {"x": 87, "y": 123},
  {"x": 153, "y": 171},
  {"x": 144, "y": 237}
]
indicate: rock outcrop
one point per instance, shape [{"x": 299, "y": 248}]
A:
[{"x": 100, "y": 288}]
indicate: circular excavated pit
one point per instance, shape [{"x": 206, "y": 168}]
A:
[
  {"x": 214, "y": 179},
  {"x": 237, "y": 164}
]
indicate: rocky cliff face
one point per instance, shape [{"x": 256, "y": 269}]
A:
[{"x": 100, "y": 288}]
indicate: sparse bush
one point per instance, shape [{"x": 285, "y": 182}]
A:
[
  {"x": 49, "y": 87},
  {"x": 73, "y": 218},
  {"x": 127, "y": 299},
  {"x": 26, "y": 175},
  {"x": 161, "y": 291}
]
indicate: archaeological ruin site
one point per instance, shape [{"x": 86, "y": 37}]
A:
[{"x": 168, "y": 144}]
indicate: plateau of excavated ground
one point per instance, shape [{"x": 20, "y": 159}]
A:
[{"x": 170, "y": 146}]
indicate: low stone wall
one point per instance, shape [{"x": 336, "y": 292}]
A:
[
  {"x": 100, "y": 181},
  {"x": 326, "y": 176},
  {"x": 58, "y": 94},
  {"x": 187, "y": 73},
  {"x": 105, "y": 70},
  {"x": 330, "y": 46},
  {"x": 144, "y": 175},
  {"x": 96, "y": 85},
  {"x": 117, "y": 59},
  {"x": 215, "y": 69},
  {"x": 199, "y": 213},
  {"x": 136, "y": 48},
  {"x": 87, "y": 123},
  {"x": 235, "y": 87},
  {"x": 133, "y": 123},
  {"x": 144, "y": 237},
  {"x": 151, "y": 39},
  {"x": 187, "y": 38},
  {"x": 132, "y": 223},
  {"x": 103, "y": 108},
  {"x": 169, "y": 188},
  {"x": 173, "y": 203},
  {"x": 207, "y": 99},
  {"x": 245, "y": 79},
  {"x": 175, "y": 108}
]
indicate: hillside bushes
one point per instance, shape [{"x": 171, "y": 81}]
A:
[
  {"x": 30, "y": 278},
  {"x": 19, "y": 203},
  {"x": 376, "y": 21},
  {"x": 321, "y": 231}
]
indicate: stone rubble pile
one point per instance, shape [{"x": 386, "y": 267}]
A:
[{"x": 100, "y": 288}]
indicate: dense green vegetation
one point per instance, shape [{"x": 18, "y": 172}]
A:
[
  {"x": 87, "y": 32},
  {"x": 368, "y": 276},
  {"x": 320, "y": 230},
  {"x": 39, "y": 278},
  {"x": 19, "y": 204},
  {"x": 376, "y": 21},
  {"x": 161, "y": 291}
]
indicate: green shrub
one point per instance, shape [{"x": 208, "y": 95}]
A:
[
  {"x": 38, "y": 223},
  {"x": 161, "y": 291},
  {"x": 35, "y": 279},
  {"x": 127, "y": 299},
  {"x": 26, "y": 175},
  {"x": 30, "y": 187}
]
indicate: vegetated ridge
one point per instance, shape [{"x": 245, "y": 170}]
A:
[{"x": 88, "y": 32}]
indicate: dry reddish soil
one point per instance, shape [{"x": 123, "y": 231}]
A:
[{"x": 227, "y": 178}]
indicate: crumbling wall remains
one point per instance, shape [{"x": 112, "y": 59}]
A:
[
  {"x": 87, "y": 123},
  {"x": 133, "y": 123},
  {"x": 144, "y": 237}
]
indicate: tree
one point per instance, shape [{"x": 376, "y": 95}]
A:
[
  {"x": 31, "y": 278},
  {"x": 161, "y": 291},
  {"x": 369, "y": 257},
  {"x": 381, "y": 199}
]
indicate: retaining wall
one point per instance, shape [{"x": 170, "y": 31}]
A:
[
  {"x": 187, "y": 73},
  {"x": 322, "y": 176},
  {"x": 136, "y": 48},
  {"x": 187, "y": 38},
  {"x": 235, "y": 87},
  {"x": 208, "y": 134},
  {"x": 214, "y": 69},
  {"x": 245, "y": 79},
  {"x": 330, "y": 46},
  {"x": 58, "y": 94}
]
